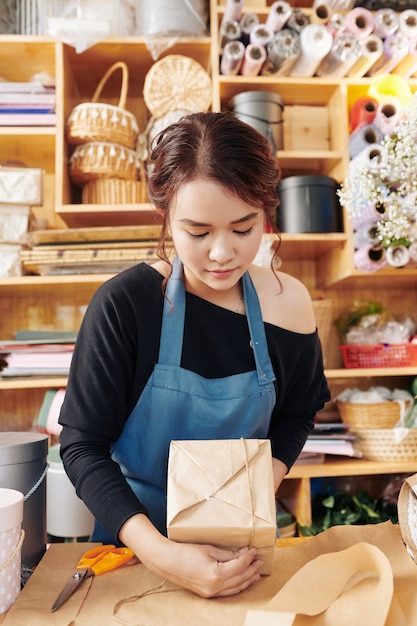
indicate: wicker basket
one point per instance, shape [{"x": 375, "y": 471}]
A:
[
  {"x": 96, "y": 121},
  {"x": 378, "y": 415},
  {"x": 382, "y": 444},
  {"x": 114, "y": 191},
  {"x": 323, "y": 310},
  {"x": 101, "y": 159},
  {"x": 177, "y": 82}
]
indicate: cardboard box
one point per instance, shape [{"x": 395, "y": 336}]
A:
[{"x": 222, "y": 492}]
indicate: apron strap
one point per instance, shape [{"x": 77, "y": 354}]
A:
[{"x": 172, "y": 331}]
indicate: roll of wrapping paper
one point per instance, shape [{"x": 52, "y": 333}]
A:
[
  {"x": 233, "y": 10},
  {"x": 283, "y": 51},
  {"x": 255, "y": 57},
  {"x": 413, "y": 253},
  {"x": 387, "y": 115},
  {"x": 368, "y": 215},
  {"x": 360, "y": 22},
  {"x": 408, "y": 23},
  {"x": 362, "y": 112},
  {"x": 397, "y": 255},
  {"x": 316, "y": 41},
  {"x": 362, "y": 137},
  {"x": 368, "y": 159},
  {"x": 372, "y": 50},
  {"x": 298, "y": 20},
  {"x": 370, "y": 258},
  {"x": 366, "y": 235},
  {"x": 395, "y": 49},
  {"x": 229, "y": 31},
  {"x": 336, "y": 24},
  {"x": 278, "y": 15},
  {"x": 345, "y": 51},
  {"x": 261, "y": 35},
  {"x": 407, "y": 67},
  {"x": 386, "y": 22},
  {"x": 231, "y": 61},
  {"x": 247, "y": 24},
  {"x": 321, "y": 12}
]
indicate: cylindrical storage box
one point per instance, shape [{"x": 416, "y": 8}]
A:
[
  {"x": 11, "y": 516},
  {"x": 23, "y": 467},
  {"x": 262, "y": 110},
  {"x": 66, "y": 514},
  {"x": 309, "y": 204}
]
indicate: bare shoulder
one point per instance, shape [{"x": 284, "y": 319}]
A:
[{"x": 285, "y": 302}]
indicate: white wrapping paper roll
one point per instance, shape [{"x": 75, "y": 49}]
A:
[
  {"x": 395, "y": 49},
  {"x": 231, "y": 61},
  {"x": 362, "y": 137},
  {"x": 387, "y": 115},
  {"x": 372, "y": 50},
  {"x": 233, "y": 10},
  {"x": 345, "y": 51},
  {"x": 386, "y": 22},
  {"x": 247, "y": 24},
  {"x": 283, "y": 51},
  {"x": 298, "y": 20},
  {"x": 278, "y": 15},
  {"x": 408, "y": 23},
  {"x": 229, "y": 31},
  {"x": 255, "y": 57},
  {"x": 359, "y": 22},
  {"x": 366, "y": 235},
  {"x": 261, "y": 35},
  {"x": 316, "y": 41},
  {"x": 321, "y": 12},
  {"x": 398, "y": 255},
  {"x": 369, "y": 158}
]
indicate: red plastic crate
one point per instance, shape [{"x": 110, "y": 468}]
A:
[{"x": 380, "y": 355}]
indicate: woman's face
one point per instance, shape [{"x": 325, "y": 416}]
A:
[{"x": 215, "y": 234}]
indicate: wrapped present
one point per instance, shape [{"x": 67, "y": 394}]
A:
[{"x": 221, "y": 492}]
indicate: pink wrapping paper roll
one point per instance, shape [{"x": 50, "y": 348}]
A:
[
  {"x": 255, "y": 57},
  {"x": 359, "y": 22},
  {"x": 278, "y": 15},
  {"x": 387, "y": 115},
  {"x": 370, "y": 258},
  {"x": 233, "y": 10},
  {"x": 231, "y": 61}
]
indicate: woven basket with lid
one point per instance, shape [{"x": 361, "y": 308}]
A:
[
  {"x": 97, "y": 121},
  {"x": 177, "y": 82},
  {"x": 101, "y": 159}
]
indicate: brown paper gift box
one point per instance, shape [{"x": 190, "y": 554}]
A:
[{"x": 222, "y": 492}]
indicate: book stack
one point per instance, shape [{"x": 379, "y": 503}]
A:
[{"x": 27, "y": 104}]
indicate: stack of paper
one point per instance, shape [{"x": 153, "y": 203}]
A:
[
  {"x": 35, "y": 357},
  {"x": 26, "y": 104},
  {"x": 331, "y": 439}
]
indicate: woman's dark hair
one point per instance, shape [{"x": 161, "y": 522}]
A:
[{"x": 217, "y": 147}]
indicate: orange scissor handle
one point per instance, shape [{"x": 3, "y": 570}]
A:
[{"x": 105, "y": 558}]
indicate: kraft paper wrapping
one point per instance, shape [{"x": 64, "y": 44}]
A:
[
  {"x": 119, "y": 596},
  {"x": 222, "y": 492}
]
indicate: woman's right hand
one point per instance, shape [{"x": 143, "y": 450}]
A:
[{"x": 203, "y": 569}]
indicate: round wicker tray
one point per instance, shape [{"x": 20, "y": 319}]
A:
[
  {"x": 382, "y": 444},
  {"x": 371, "y": 415},
  {"x": 177, "y": 82}
]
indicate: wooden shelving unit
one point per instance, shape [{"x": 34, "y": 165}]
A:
[{"x": 323, "y": 261}]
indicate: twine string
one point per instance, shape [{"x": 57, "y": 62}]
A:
[
  {"x": 14, "y": 553},
  {"x": 252, "y": 516},
  {"x": 38, "y": 482},
  {"x": 157, "y": 589}
]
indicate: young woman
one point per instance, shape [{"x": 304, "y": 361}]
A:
[{"x": 201, "y": 345}]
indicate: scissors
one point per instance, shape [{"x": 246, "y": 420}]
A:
[{"x": 93, "y": 563}]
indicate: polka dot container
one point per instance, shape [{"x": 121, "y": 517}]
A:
[{"x": 11, "y": 516}]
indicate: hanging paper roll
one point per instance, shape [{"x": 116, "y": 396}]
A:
[
  {"x": 233, "y": 10},
  {"x": 408, "y": 23},
  {"x": 278, "y": 15},
  {"x": 316, "y": 41},
  {"x": 398, "y": 255},
  {"x": 261, "y": 35},
  {"x": 345, "y": 51},
  {"x": 387, "y": 115},
  {"x": 232, "y": 58},
  {"x": 407, "y": 67},
  {"x": 359, "y": 22},
  {"x": 336, "y": 24},
  {"x": 395, "y": 49},
  {"x": 363, "y": 112},
  {"x": 247, "y": 24},
  {"x": 386, "y": 22},
  {"x": 229, "y": 31},
  {"x": 372, "y": 50},
  {"x": 298, "y": 20},
  {"x": 370, "y": 258},
  {"x": 255, "y": 57},
  {"x": 283, "y": 51},
  {"x": 362, "y": 137}
]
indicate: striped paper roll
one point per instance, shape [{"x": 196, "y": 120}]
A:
[
  {"x": 283, "y": 51},
  {"x": 360, "y": 22},
  {"x": 345, "y": 51},
  {"x": 386, "y": 22},
  {"x": 372, "y": 50},
  {"x": 395, "y": 49},
  {"x": 408, "y": 23},
  {"x": 232, "y": 58},
  {"x": 278, "y": 15},
  {"x": 363, "y": 111},
  {"x": 255, "y": 57},
  {"x": 316, "y": 41}
]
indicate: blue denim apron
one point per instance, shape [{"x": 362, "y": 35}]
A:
[{"x": 179, "y": 404}]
